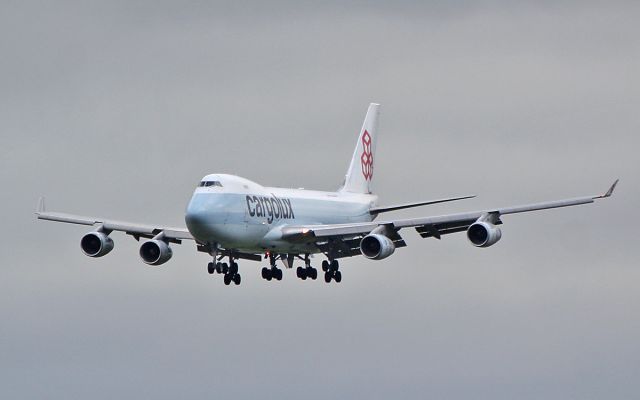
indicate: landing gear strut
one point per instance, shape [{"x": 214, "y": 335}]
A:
[
  {"x": 331, "y": 271},
  {"x": 307, "y": 271},
  {"x": 272, "y": 272}
]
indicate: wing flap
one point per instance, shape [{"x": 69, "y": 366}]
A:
[
  {"x": 342, "y": 247},
  {"x": 437, "y": 230}
]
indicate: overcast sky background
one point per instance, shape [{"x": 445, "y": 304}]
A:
[{"x": 118, "y": 109}]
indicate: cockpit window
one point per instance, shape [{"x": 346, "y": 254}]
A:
[{"x": 210, "y": 183}]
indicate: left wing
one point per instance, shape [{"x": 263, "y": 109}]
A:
[
  {"x": 345, "y": 236},
  {"x": 378, "y": 210}
]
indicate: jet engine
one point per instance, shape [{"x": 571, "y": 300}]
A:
[
  {"x": 96, "y": 244},
  {"x": 155, "y": 252},
  {"x": 376, "y": 246},
  {"x": 483, "y": 234}
]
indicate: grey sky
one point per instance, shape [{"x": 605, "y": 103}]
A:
[{"x": 118, "y": 108}]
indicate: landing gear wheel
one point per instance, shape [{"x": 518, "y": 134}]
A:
[
  {"x": 337, "y": 276},
  {"x": 233, "y": 268},
  {"x": 325, "y": 265},
  {"x": 266, "y": 273},
  {"x": 277, "y": 273},
  {"x": 227, "y": 279},
  {"x": 327, "y": 276},
  {"x": 311, "y": 273},
  {"x": 300, "y": 272},
  {"x": 225, "y": 268},
  {"x": 211, "y": 268},
  {"x": 237, "y": 279},
  {"x": 334, "y": 265},
  {"x": 219, "y": 268}
]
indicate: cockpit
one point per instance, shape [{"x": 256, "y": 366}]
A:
[
  {"x": 224, "y": 183},
  {"x": 210, "y": 183}
]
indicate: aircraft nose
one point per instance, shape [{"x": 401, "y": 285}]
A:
[
  {"x": 195, "y": 215},
  {"x": 192, "y": 217}
]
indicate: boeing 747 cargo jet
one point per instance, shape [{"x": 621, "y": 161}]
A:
[{"x": 232, "y": 218}]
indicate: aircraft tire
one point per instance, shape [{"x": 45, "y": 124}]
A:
[
  {"x": 225, "y": 268},
  {"x": 334, "y": 265},
  {"x": 237, "y": 279},
  {"x": 211, "y": 268},
  {"x": 337, "y": 276},
  {"x": 227, "y": 279},
  {"x": 266, "y": 274},
  {"x": 219, "y": 268},
  {"x": 327, "y": 276},
  {"x": 300, "y": 272},
  {"x": 325, "y": 265},
  {"x": 233, "y": 268},
  {"x": 278, "y": 274},
  {"x": 312, "y": 273}
]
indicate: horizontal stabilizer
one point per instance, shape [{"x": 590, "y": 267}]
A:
[{"x": 379, "y": 210}]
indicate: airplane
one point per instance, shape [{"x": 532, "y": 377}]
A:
[{"x": 230, "y": 217}]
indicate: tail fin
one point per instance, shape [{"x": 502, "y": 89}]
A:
[{"x": 360, "y": 173}]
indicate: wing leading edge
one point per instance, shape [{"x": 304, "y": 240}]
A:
[{"x": 378, "y": 210}]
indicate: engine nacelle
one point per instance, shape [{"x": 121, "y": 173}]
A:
[
  {"x": 376, "y": 247},
  {"x": 483, "y": 234},
  {"x": 96, "y": 244},
  {"x": 155, "y": 252}
]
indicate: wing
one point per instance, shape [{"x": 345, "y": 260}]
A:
[
  {"x": 174, "y": 235},
  {"x": 343, "y": 239}
]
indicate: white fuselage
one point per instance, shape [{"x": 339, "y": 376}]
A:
[{"x": 236, "y": 213}]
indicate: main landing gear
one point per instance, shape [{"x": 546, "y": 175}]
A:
[
  {"x": 273, "y": 272},
  {"x": 307, "y": 271},
  {"x": 331, "y": 271},
  {"x": 230, "y": 271}
]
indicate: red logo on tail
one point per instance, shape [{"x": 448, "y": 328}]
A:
[{"x": 366, "y": 160}]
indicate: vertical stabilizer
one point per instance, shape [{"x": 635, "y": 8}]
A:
[{"x": 360, "y": 173}]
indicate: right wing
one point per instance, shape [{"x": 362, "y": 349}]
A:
[
  {"x": 344, "y": 238},
  {"x": 174, "y": 235},
  {"x": 167, "y": 234}
]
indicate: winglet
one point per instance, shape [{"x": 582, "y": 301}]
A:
[
  {"x": 40, "y": 208},
  {"x": 609, "y": 192}
]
